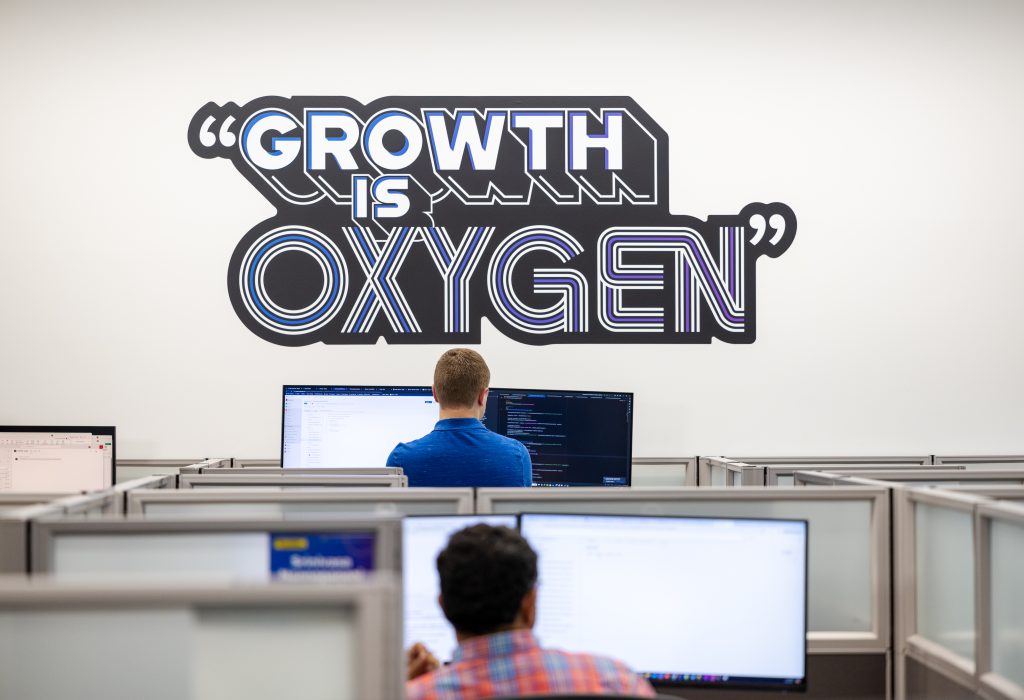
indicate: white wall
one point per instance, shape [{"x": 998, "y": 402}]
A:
[{"x": 892, "y": 325}]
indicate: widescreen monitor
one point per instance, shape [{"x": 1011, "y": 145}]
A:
[
  {"x": 56, "y": 459},
  {"x": 575, "y": 438},
  {"x": 351, "y": 426},
  {"x": 423, "y": 538},
  {"x": 690, "y": 601}
]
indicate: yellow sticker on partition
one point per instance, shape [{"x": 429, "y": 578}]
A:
[{"x": 290, "y": 543}]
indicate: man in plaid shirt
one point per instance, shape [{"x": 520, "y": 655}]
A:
[{"x": 489, "y": 594}]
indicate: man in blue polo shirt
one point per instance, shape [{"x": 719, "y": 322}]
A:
[{"x": 461, "y": 451}]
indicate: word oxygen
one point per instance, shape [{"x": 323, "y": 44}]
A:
[{"x": 414, "y": 219}]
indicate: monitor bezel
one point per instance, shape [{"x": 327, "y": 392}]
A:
[
  {"x": 632, "y": 406},
  {"x": 91, "y": 429},
  {"x": 286, "y": 387},
  {"x": 780, "y": 686}
]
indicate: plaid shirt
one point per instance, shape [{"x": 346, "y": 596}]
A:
[{"x": 512, "y": 663}]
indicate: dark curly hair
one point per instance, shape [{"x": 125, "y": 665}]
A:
[{"x": 485, "y": 573}]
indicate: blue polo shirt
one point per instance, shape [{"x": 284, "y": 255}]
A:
[{"x": 463, "y": 452}]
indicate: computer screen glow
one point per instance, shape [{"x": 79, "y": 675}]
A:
[
  {"x": 423, "y": 538},
  {"x": 681, "y": 600},
  {"x": 351, "y": 426},
  {"x": 56, "y": 459}
]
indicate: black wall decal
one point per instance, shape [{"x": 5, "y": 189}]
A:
[{"x": 413, "y": 218}]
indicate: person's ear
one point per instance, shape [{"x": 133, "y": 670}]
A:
[
  {"x": 528, "y": 610},
  {"x": 433, "y": 392},
  {"x": 481, "y": 400}
]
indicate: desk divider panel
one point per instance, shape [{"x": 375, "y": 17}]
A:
[
  {"x": 130, "y": 469},
  {"x": 664, "y": 471},
  {"x": 984, "y": 461},
  {"x": 218, "y": 549},
  {"x": 286, "y": 481},
  {"x": 719, "y": 471},
  {"x": 304, "y": 471},
  {"x": 910, "y": 460},
  {"x": 782, "y": 474},
  {"x": 232, "y": 643},
  {"x": 848, "y": 597},
  {"x": 246, "y": 503}
]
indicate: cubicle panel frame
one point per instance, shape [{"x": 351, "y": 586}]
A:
[
  {"x": 978, "y": 459},
  {"x": 23, "y": 499},
  {"x": 156, "y": 481},
  {"x": 304, "y": 471},
  {"x": 375, "y": 598},
  {"x": 910, "y": 476},
  {"x": 991, "y": 685},
  {"x": 987, "y": 491},
  {"x": 748, "y": 474},
  {"x": 463, "y": 497},
  {"x": 834, "y": 460},
  {"x": 877, "y": 640},
  {"x": 907, "y": 642},
  {"x": 387, "y": 546},
  {"x": 240, "y": 463},
  {"x": 188, "y": 481},
  {"x": 772, "y": 472},
  {"x": 688, "y": 464}
]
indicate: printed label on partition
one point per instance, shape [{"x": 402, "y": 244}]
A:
[
  {"x": 295, "y": 556},
  {"x": 416, "y": 218}
]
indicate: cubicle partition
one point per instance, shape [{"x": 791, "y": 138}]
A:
[
  {"x": 303, "y": 471},
  {"x": 720, "y": 471},
  {"x": 944, "y": 476},
  {"x": 908, "y": 460},
  {"x": 119, "y": 642},
  {"x": 288, "y": 481},
  {"x": 959, "y": 576},
  {"x": 247, "y": 503},
  {"x": 129, "y": 469},
  {"x": 17, "y": 501},
  {"x": 664, "y": 471},
  {"x": 205, "y": 548},
  {"x": 782, "y": 474},
  {"x": 849, "y": 561},
  {"x": 984, "y": 461}
]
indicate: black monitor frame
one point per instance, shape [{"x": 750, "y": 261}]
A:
[
  {"x": 90, "y": 429},
  {"x": 576, "y": 392}
]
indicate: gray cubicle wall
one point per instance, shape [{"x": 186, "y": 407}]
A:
[
  {"x": 921, "y": 477},
  {"x": 909, "y": 460},
  {"x": 997, "y": 493},
  {"x": 782, "y": 474},
  {"x": 849, "y": 564},
  {"x": 983, "y": 461},
  {"x": 17, "y": 501},
  {"x": 304, "y": 471},
  {"x": 286, "y": 481},
  {"x": 647, "y": 471},
  {"x": 664, "y": 471},
  {"x": 245, "y": 503},
  {"x": 129, "y": 469},
  {"x": 338, "y": 642},
  {"x": 721, "y": 471},
  {"x": 178, "y": 549},
  {"x": 959, "y": 626}
]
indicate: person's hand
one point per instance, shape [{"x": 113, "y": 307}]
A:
[{"x": 419, "y": 660}]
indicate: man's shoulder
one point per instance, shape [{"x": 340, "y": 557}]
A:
[{"x": 614, "y": 675}]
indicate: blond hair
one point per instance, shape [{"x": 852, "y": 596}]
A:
[{"x": 459, "y": 377}]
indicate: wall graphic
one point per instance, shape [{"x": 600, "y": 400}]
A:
[{"x": 413, "y": 218}]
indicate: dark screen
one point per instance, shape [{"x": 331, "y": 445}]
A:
[{"x": 575, "y": 438}]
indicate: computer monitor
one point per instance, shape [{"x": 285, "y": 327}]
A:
[
  {"x": 351, "y": 426},
  {"x": 57, "y": 459},
  {"x": 689, "y": 601},
  {"x": 423, "y": 538},
  {"x": 575, "y": 438}
]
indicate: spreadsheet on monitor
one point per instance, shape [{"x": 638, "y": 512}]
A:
[{"x": 351, "y": 426}]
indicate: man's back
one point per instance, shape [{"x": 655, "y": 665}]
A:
[
  {"x": 512, "y": 663},
  {"x": 463, "y": 452}
]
